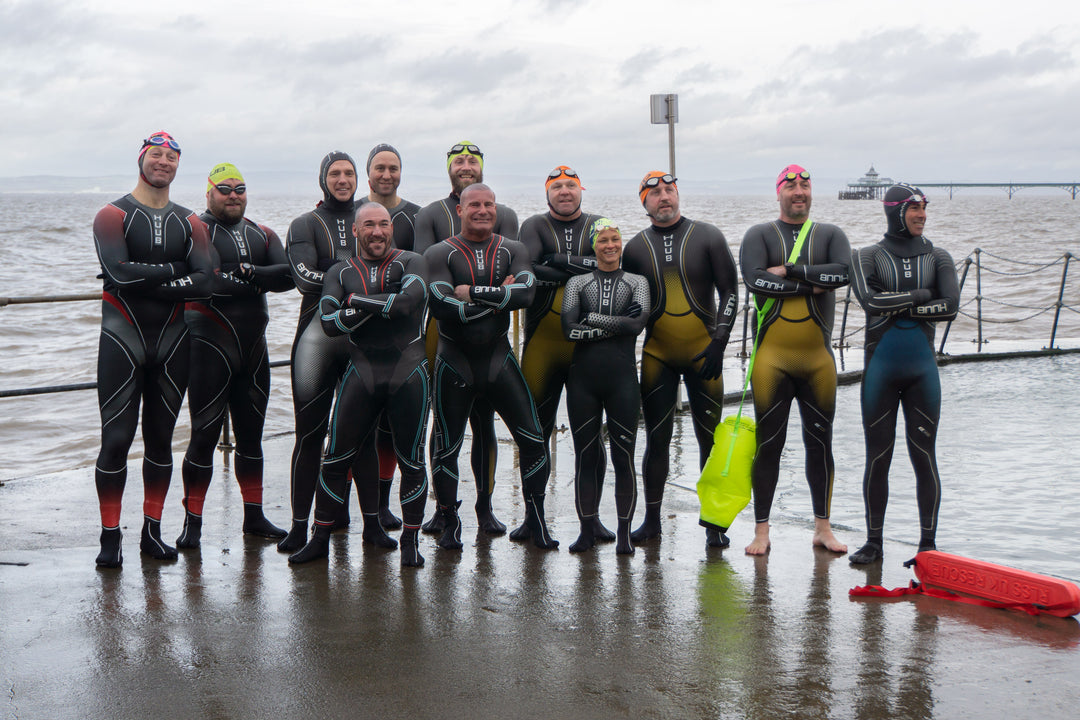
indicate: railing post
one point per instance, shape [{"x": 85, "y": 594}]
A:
[
  {"x": 948, "y": 325},
  {"x": 843, "y": 319},
  {"x": 1061, "y": 295},
  {"x": 225, "y": 445},
  {"x": 978, "y": 293},
  {"x": 745, "y": 322}
]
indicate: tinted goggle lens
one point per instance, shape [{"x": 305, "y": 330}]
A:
[{"x": 226, "y": 189}]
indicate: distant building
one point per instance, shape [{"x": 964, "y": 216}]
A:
[{"x": 869, "y": 187}]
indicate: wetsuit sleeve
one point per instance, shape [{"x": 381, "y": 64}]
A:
[
  {"x": 276, "y": 274},
  {"x": 338, "y": 318},
  {"x": 726, "y": 281},
  {"x": 112, "y": 251},
  {"x": 518, "y": 294},
  {"x": 303, "y": 256},
  {"x": 573, "y": 326},
  {"x": 753, "y": 261},
  {"x": 945, "y": 301},
  {"x": 202, "y": 269},
  {"x": 532, "y": 237},
  {"x": 834, "y": 272},
  {"x": 424, "y": 232},
  {"x": 413, "y": 293},
  {"x": 442, "y": 303},
  {"x": 870, "y": 292}
]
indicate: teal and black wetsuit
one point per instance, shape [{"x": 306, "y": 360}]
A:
[{"x": 905, "y": 285}]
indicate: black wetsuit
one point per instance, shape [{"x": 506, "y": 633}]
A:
[
  {"x": 379, "y": 306},
  {"x": 434, "y": 223},
  {"x": 794, "y": 357},
  {"x": 559, "y": 250},
  {"x": 153, "y": 261},
  {"x": 317, "y": 240},
  {"x": 905, "y": 285},
  {"x": 603, "y": 379},
  {"x": 230, "y": 370},
  {"x": 403, "y": 217},
  {"x": 687, "y": 266},
  {"x": 474, "y": 360}
]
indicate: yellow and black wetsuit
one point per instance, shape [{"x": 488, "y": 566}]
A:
[
  {"x": 794, "y": 351},
  {"x": 687, "y": 266},
  {"x": 559, "y": 250}
]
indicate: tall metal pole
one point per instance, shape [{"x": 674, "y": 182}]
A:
[{"x": 672, "y": 115}]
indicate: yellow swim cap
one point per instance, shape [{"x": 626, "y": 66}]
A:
[{"x": 222, "y": 171}]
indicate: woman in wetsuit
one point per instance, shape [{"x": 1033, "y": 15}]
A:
[
  {"x": 155, "y": 256},
  {"x": 905, "y": 285},
  {"x": 602, "y": 314}
]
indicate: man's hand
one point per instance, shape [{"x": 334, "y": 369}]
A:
[
  {"x": 713, "y": 355},
  {"x": 461, "y": 292}
]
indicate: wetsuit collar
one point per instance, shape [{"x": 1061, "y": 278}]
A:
[
  {"x": 904, "y": 245},
  {"x": 334, "y": 205},
  {"x": 670, "y": 228}
]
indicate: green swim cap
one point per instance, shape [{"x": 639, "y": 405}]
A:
[
  {"x": 222, "y": 171},
  {"x": 600, "y": 225}
]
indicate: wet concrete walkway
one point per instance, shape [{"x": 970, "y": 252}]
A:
[{"x": 498, "y": 630}]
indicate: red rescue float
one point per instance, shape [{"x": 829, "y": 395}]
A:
[
  {"x": 997, "y": 583},
  {"x": 952, "y": 577}
]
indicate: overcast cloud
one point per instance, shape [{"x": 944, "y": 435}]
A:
[{"x": 965, "y": 91}]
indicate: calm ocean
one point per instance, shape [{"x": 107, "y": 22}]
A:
[{"x": 1007, "y": 447}]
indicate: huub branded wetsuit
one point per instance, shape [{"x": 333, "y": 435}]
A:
[
  {"x": 403, "y": 217},
  {"x": 474, "y": 360},
  {"x": 153, "y": 261},
  {"x": 230, "y": 370},
  {"x": 905, "y": 284},
  {"x": 317, "y": 240},
  {"x": 379, "y": 306},
  {"x": 603, "y": 379},
  {"x": 794, "y": 357},
  {"x": 559, "y": 250},
  {"x": 434, "y": 223},
  {"x": 687, "y": 266}
]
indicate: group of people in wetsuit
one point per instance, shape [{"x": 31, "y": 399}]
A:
[{"x": 405, "y": 312}]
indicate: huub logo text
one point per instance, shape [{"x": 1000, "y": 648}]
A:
[
  {"x": 343, "y": 237},
  {"x": 159, "y": 238}
]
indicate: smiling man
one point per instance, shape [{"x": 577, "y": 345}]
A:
[
  {"x": 792, "y": 266},
  {"x": 230, "y": 370},
  {"x": 477, "y": 278},
  {"x": 317, "y": 240},
  {"x": 377, "y": 301},
  {"x": 155, "y": 256},
  {"x": 435, "y": 223}
]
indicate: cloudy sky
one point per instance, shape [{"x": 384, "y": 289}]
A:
[{"x": 961, "y": 91}]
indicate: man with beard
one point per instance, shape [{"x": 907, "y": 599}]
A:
[
  {"x": 794, "y": 359},
  {"x": 317, "y": 240},
  {"x": 688, "y": 264},
  {"x": 435, "y": 223},
  {"x": 155, "y": 256},
  {"x": 230, "y": 370},
  {"x": 477, "y": 278},
  {"x": 377, "y": 301},
  {"x": 384, "y": 177}
]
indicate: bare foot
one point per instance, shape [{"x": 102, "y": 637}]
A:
[
  {"x": 823, "y": 536},
  {"x": 760, "y": 544}
]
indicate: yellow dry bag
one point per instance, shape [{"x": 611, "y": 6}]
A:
[{"x": 724, "y": 486}]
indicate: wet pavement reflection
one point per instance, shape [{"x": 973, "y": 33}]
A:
[{"x": 497, "y": 630}]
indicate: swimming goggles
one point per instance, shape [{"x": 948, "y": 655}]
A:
[
  {"x": 459, "y": 149},
  {"x": 225, "y": 190},
  {"x": 562, "y": 170},
  {"x": 792, "y": 176},
  {"x": 159, "y": 140},
  {"x": 654, "y": 181},
  {"x": 913, "y": 198}
]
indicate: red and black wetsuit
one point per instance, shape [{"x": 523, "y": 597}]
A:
[
  {"x": 230, "y": 370},
  {"x": 153, "y": 261}
]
